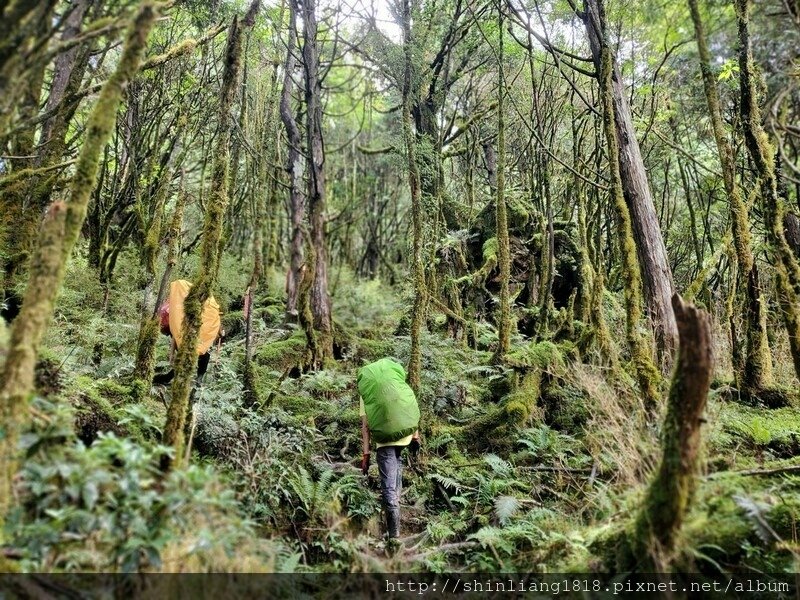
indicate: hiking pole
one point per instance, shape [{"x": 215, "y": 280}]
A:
[{"x": 191, "y": 437}]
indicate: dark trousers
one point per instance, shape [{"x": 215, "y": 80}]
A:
[
  {"x": 390, "y": 469},
  {"x": 202, "y": 367}
]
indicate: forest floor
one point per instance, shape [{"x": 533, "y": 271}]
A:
[{"x": 276, "y": 487}]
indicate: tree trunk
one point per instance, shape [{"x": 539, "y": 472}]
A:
[
  {"x": 669, "y": 494},
  {"x": 640, "y": 343},
  {"x": 20, "y": 221},
  {"x": 501, "y": 217},
  {"x": 417, "y": 268},
  {"x": 56, "y": 240},
  {"x": 186, "y": 360},
  {"x": 320, "y": 298},
  {"x": 787, "y": 270},
  {"x": 149, "y": 329},
  {"x": 654, "y": 264},
  {"x": 756, "y": 374},
  {"x": 295, "y": 165}
]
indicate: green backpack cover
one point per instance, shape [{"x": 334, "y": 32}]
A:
[{"x": 390, "y": 404}]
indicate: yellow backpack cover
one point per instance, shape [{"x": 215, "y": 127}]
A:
[{"x": 210, "y": 317}]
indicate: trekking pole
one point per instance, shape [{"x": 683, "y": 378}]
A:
[{"x": 191, "y": 438}]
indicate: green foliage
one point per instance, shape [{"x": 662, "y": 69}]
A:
[{"x": 105, "y": 507}]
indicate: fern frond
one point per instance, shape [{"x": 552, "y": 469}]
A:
[{"x": 505, "y": 507}]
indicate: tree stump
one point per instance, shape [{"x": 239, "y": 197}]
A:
[{"x": 668, "y": 497}]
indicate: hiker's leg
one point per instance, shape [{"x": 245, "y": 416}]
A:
[
  {"x": 202, "y": 365},
  {"x": 388, "y": 467},
  {"x": 399, "y": 482},
  {"x": 164, "y": 378}
]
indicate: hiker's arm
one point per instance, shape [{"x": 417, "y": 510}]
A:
[{"x": 364, "y": 435}]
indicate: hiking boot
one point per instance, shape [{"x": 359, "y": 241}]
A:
[{"x": 393, "y": 523}]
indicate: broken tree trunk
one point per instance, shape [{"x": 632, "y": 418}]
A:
[{"x": 667, "y": 500}]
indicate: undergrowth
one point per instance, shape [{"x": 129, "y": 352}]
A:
[{"x": 276, "y": 486}]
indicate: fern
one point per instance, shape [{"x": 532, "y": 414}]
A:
[
  {"x": 756, "y": 513},
  {"x": 446, "y": 482},
  {"x": 497, "y": 464},
  {"x": 505, "y": 507}
]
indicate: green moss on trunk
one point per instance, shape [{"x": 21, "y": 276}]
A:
[
  {"x": 504, "y": 251},
  {"x": 186, "y": 360},
  {"x": 639, "y": 342},
  {"x": 668, "y": 495},
  {"x": 56, "y": 240},
  {"x": 756, "y": 373},
  {"x": 762, "y": 154}
]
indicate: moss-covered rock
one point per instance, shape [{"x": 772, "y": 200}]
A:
[
  {"x": 93, "y": 415},
  {"x": 368, "y": 350},
  {"x": 233, "y": 324}
]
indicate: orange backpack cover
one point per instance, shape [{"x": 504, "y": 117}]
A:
[{"x": 210, "y": 325}]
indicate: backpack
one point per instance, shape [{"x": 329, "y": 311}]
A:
[{"x": 389, "y": 402}]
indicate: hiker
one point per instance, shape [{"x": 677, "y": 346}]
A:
[
  {"x": 390, "y": 416},
  {"x": 170, "y": 315}
]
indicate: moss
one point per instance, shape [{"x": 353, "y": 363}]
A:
[
  {"x": 96, "y": 411},
  {"x": 784, "y": 517},
  {"x": 282, "y": 355},
  {"x": 773, "y": 397},
  {"x": 516, "y": 409},
  {"x": 113, "y": 391},
  {"x": 520, "y": 406},
  {"x": 233, "y": 325},
  {"x": 564, "y": 406},
  {"x": 720, "y": 528},
  {"x": 48, "y": 377},
  {"x": 542, "y": 355},
  {"x": 272, "y": 315},
  {"x": 146, "y": 352},
  {"x": 367, "y": 350}
]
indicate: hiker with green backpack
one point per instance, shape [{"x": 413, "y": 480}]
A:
[{"x": 390, "y": 416}]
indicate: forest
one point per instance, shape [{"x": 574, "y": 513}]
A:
[{"x": 574, "y": 223}]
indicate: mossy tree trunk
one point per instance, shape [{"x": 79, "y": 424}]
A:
[
  {"x": 787, "y": 270},
  {"x": 320, "y": 298},
  {"x": 149, "y": 328},
  {"x": 669, "y": 494},
  {"x": 503, "y": 249},
  {"x": 640, "y": 343},
  {"x": 20, "y": 217},
  {"x": 25, "y": 26},
  {"x": 186, "y": 360},
  {"x": 417, "y": 268},
  {"x": 295, "y": 166},
  {"x": 757, "y": 369},
  {"x": 59, "y": 233}
]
